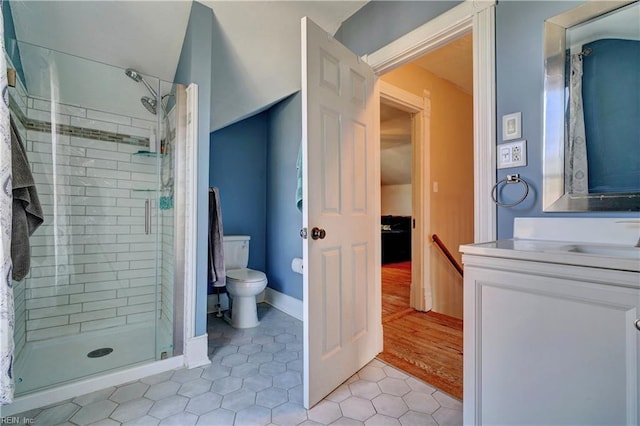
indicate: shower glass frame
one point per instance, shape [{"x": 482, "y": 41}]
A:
[{"x": 102, "y": 267}]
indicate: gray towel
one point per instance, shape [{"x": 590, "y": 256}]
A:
[
  {"x": 27, "y": 211},
  {"x": 216, "y": 275}
]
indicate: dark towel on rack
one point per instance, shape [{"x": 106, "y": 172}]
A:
[
  {"x": 27, "y": 211},
  {"x": 216, "y": 273}
]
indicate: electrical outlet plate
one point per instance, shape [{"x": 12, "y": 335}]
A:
[{"x": 512, "y": 154}]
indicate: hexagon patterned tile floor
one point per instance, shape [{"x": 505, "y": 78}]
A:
[{"x": 255, "y": 378}]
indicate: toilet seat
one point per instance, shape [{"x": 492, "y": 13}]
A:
[{"x": 245, "y": 276}]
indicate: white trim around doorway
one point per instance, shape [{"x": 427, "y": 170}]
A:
[
  {"x": 419, "y": 108},
  {"x": 478, "y": 17}
]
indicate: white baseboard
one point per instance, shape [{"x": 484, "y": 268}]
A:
[
  {"x": 287, "y": 304},
  {"x": 196, "y": 352},
  {"x": 72, "y": 390}
]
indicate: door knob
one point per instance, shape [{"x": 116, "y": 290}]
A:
[
  {"x": 638, "y": 324},
  {"x": 318, "y": 233}
]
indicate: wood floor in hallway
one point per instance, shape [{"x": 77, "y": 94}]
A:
[{"x": 427, "y": 345}]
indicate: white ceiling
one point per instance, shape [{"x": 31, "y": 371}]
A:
[
  {"x": 256, "y": 49},
  {"x": 452, "y": 62}
]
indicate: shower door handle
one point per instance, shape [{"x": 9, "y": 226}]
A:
[{"x": 147, "y": 217}]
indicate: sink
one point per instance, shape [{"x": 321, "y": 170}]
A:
[{"x": 603, "y": 250}]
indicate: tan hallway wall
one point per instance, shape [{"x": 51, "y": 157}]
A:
[{"x": 451, "y": 162}]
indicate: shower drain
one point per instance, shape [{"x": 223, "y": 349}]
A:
[{"x": 97, "y": 353}]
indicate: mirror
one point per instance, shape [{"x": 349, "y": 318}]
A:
[{"x": 592, "y": 108}]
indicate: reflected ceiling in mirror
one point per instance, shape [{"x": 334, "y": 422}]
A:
[{"x": 591, "y": 129}]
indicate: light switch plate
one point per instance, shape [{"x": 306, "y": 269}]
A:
[
  {"x": 512, "y": 126},
  {"x": 512, "y": 154}
]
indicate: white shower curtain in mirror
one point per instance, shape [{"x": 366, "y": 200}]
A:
[
  {"x": 6, "y": 291},
  {"x": 575, "y": 150}
]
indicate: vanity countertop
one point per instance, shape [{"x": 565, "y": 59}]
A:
[{"x": 606, "y": 256}]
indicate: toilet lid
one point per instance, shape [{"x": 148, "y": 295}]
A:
[{"x": 245, "y": 275}]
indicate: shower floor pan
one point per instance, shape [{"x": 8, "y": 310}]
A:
[{"x": 48, "y": 363}]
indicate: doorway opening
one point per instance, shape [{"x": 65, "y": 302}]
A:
[{"x": 422, "y": 292}]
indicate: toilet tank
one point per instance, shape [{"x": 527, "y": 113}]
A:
[{"x": 236, "y": 251}]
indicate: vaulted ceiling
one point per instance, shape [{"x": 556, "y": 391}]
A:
[{"x": 256, "y": 58}]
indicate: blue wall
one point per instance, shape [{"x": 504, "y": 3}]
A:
[
  {"x": 195, "y": 67},
  {"x": 519, "y": 78},
  {"x": 378, "y": 23},
  {"x": 253, "y": 164},
  {"x": 283, "y": 218},
  {"x": 239, "y": 170}
]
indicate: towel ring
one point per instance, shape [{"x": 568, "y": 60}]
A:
[{"x": 509, "y": 180}]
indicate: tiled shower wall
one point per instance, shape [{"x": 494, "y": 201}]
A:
[{"x": 92, "y": 265}]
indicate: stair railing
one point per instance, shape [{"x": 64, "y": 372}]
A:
[{"x": 443, "y": 248}]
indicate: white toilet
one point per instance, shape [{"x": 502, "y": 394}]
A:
[{"x": 243, "y": 284}]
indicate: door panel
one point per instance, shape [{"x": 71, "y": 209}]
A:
[{"x": 342, "y": 322}]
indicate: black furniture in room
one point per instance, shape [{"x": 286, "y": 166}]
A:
[{"x": 396, "y": 239}]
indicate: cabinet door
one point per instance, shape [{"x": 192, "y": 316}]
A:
[{"x": 550, "y": 350}]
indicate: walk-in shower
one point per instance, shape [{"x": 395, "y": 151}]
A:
[{"x": 101, "y": 290}]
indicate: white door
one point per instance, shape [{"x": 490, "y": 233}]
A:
[{"x": 341, "y": 180}]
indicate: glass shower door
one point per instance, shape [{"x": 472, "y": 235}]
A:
[{"x": 99, "y": 293}]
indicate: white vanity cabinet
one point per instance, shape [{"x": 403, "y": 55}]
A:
[{"x": 549, "y": 339}]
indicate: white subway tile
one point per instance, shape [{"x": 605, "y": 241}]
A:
[
  {"x": 105, "y": 267},
  {"x": 103, "y": 304},
  {"x": 46, "y": 116},
  {"x": 138, "y": 247},
  {"x": 109, "y": 230},
  {"x": 45, "y": 105},
  {"x": 95, "y": 182},
  {"x": 54, "y": 311},
  {"x": 106, "y": 173},
  {"x": 94, "y": 124},
  {"x": 94, "y": 258},
  {"x": 136, "y": 291},
  {"x": 46, "y": 302},
  {"x": 53, "y": 291},
  {"x": 108, "y": 117},
  {"x": 137, "y": 167},
  {"x": 100, "y": 163},
  {"x": 141, "y": 317},
  {"x": 145, "y": 298},
  {"x": 93, "y": 220},
  {"x": 92, "y": 278},
  {"x": 60, "y": 280},
  {"x": 137, "y": 273},
  {"x": 93, "y": 201},
  {"x": 144, "y": 264},
  {"x": 93, "y": 315},
  {"x": 144, "y": 281},
  {"x": 92, "y": 296},
  {"x": 132, "y": 220},
  {"x": 137, "y": 256},
  {"x": 133, "y": 131},
  {"x": 143, "y": 177},
  {"x": 60, "y": 149},
  {"x": 108, "y": 193},
  {"x": 106, "y": 285},
  {"x": 49, "y": 333},
  {"x": 147, "y": 124},
  {"x": 47, "y": 322},
  {"x": 93, "y": 239},
  {"x": 108, "y": 211},
  {"x": 107, "y": 248},
  {"x": 108, "y": 155},
  {"x": 135, "y": 309},
  {"x": 93, "y": 143},
  {"x": 102, "y": 324}
]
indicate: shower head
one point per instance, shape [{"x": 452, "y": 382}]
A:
[
  {"x": 150, "y": 104},
  {"x": 133, "y": 74},
  {"x": 137, "y": 77}
]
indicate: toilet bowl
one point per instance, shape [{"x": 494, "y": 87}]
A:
[{"x": 243, "y": 284}]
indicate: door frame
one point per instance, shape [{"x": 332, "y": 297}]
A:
[
  {"x": 420, "y": 110},
  {"x": 477, "y": 17}
]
